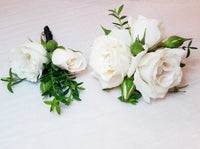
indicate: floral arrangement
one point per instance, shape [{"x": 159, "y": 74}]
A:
[
  {"x": 137, "y": 57},
  {"x": 52, "y": 65}
]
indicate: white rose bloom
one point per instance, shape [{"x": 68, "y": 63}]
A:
[
  {"x": 110, "y": 58},
  {"x": 157, "y": 72},
  {"x": 68, "y": 60},
  {"x": 154, "y": 30},
  {"x": 27, "y": 61}
]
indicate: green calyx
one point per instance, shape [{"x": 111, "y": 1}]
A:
[{"x": 136, "y": 47}]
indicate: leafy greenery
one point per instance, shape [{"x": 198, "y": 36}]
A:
[
  {"x": 133, "y": 99},
  {"x": 58, "y": 83},
  {"x": 136, "y": 47},
  {"x": 188, "y": 48},
  {"x": 106, "y": 31},
  {"x": 116, "y": 13},
  {"x": 12, "y": 80}
]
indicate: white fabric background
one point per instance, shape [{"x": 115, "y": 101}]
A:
[{"x": 100, "y": 121}]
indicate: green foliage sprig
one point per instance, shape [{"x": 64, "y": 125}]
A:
[
  {"x": 12, "y": 80},
  {"x": 116, "y": 13},
  {"x": 56, "y": 82}
]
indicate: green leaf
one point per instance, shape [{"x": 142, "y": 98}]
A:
[
  {"x": 126, "y": 22},
  {"x": 43, "y": 43},
  {"x": 58, "y": 109},
  {"x": 194, "y": 48},
  {"x": 114, "y": 15},
  {"x": 106, "y": 31},
  {"x": 9, "y": 86},
  {"x": 116, "y": 24},
  {"x": 45, "y": 86},
  {"x": 48, "y": 102},
  {"x": 112, "y": 10},
  {"x": 120, "y": 9},
  {"x": 76, "y": 97},
  {"x": 190, "y": 43},
  {"x": 61, "y": 47},
  {"x": 17, "y": 81},
  {"x": 143, "y": 38},
  {"x": 136, "y": 95},
  {"x": 68, "y": 102},
  {"x": 136, "y": 47},
  {"x": 188, "y": 53},
  {"x": 182, "y": 65},
  {"x": 30, "y": 39},
  {"x": 122, "y": 17},
  {"x": 5, "y": 79}
]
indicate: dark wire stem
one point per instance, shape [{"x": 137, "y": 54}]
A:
[{"x": 48, "y": 34}]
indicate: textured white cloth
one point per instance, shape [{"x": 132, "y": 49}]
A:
[{"x": 100, "y": 120}]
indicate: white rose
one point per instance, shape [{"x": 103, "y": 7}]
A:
[
  {"x": 110, "y": 58},
  {"x": 27, "y": 61},
  {"x": 68, "y": 60},
  {"x": 154, "y": 30},
  {"x": 158, "y": 71}
]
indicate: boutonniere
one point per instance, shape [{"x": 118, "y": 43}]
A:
[{"x": 52, "y": 65}]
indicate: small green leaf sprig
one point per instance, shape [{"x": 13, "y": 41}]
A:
[
  {"x": 56, "y": 82},
  {"x": 12, "y": 80},
  {"x": 121, "y": 24}
]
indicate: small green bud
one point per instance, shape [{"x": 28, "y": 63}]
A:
[
  {"x": 136, "y": 47},
  {"x": 174, "y": 42},
  {"x": 127, "y": 88},
  {"x": 51, "y": 45}
]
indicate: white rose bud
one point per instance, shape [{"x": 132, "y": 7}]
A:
[
  {"x": 154, "y": 30},
  {"x": 68, "y": 60},
  {"x": 157, "y": 72},
  {"x": 110, "y": 58},
  {"x": 27, "y": 61}
]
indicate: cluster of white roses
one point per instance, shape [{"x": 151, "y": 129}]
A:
[
  {"x": 154, "y": 73},
  {"x": 28, "y": 59}
]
